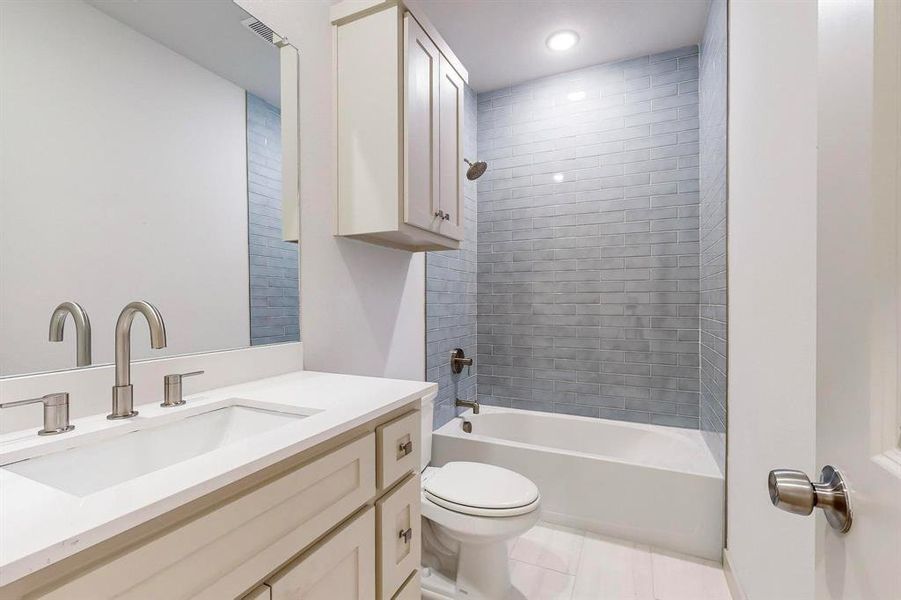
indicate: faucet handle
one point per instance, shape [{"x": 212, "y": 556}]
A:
[
  {"x": 175, "y": 376},
  {"x": 172, "y": 395},
  {"x": 56, "y": 412},
  {"x": 458, "y": 360}
]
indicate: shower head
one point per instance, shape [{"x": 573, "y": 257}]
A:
[{"x": 475, "y": 170}]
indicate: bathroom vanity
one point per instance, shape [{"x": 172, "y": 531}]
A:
[
  {"x": 272, "y": 482},
  {"x": 306, "y": 484}
]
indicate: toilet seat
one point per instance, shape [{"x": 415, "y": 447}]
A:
[{"x": 481, "y": 490}]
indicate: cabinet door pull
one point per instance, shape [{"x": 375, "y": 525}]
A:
[
  {"x": 406, "y": 535},
  {"x": 405, "y": 449}
]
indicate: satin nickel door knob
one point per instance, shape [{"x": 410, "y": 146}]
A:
[{"x": 792, "y": 491}]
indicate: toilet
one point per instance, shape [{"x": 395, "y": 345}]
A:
[{"x": 470, "y": 511}]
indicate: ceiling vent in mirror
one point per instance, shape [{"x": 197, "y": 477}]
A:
[{"x": 260, "y": 28}]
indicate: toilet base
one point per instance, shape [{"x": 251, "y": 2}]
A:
[
  {"x": 436, "y": 585},
  {"x": 483, "y": 571}
]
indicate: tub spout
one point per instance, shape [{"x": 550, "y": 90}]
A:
[{"x": 467, "y": 404}]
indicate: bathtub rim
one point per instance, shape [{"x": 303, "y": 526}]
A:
[{"x": 448, "y": 430}]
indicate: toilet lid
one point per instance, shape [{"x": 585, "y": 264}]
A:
[{"x": 480, "y": 486}]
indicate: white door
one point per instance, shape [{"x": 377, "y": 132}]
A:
[
  {"x": 340, "y": 568},
  {"x": 858, "y": 406},
  {"x": 421, "y": 67}
]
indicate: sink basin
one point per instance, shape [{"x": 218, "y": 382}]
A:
[{"x": 87, "y": 469}]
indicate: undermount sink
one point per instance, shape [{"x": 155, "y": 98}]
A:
[{"x": 87, "y": 469}]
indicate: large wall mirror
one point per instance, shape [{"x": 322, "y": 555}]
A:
[{"x": 142, "y": 158}]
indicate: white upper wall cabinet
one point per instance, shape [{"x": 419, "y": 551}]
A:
[{"x": 399, "y": 93}]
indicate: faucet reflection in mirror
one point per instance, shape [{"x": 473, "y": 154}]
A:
[
  {"x": 82, "y": 330},
  {"x": 123, "y": 400}
]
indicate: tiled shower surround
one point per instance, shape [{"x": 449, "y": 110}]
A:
[
  {"x": 588, "y": 242},
  {"x": 273, "y": 265},
  {"x": 451, "y": 295},
  {"x": 713, "y": 113}
]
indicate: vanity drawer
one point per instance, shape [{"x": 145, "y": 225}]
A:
[
  {"x": 412, "y": 589},
  {"x": 215, "y": 555},
  {"x": 398, "y": 535},
  {"x": 397, "y": 448}
]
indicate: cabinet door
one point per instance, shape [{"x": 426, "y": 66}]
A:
[
  {"x": 259, "y": 593},
  {"x": 399, "y": 543},
  {"x": 421, "y": 67},
  {"x": 450, "y": 153},
  {"x": 412, "y": 589},
  {"x": 340, "y": 568}
]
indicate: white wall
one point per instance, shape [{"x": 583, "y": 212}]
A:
[
  {"x": 123, "y": 178},
  {"x": 363, "y": 307},
  {"x": 772, "y": 289}
]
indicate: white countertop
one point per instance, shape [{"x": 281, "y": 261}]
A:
[{"x": 40, "y": 525}]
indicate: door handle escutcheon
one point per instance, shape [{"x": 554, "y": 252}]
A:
[{"x": 792, "y": 491}]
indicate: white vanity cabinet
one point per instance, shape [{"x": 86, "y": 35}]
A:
[
  {"x": 320, "y": 524},
  {"x": 400, "y": 99}
]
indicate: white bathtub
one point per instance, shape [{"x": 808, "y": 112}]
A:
[{"x": 650, "y": 484}]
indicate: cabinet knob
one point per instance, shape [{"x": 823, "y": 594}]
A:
[
  {"x": 405, "y": 449},
  {"x": 442, "y": 215},
  {"x": 406, "y": 535}
]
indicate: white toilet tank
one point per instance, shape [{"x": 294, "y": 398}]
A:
[{"x": 428, "y": 411}]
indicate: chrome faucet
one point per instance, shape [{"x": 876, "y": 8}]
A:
[
  {"x": 123, "y": 400},
  {"x": 474, "y": 405},
  {"x": 82, "y": 330}
]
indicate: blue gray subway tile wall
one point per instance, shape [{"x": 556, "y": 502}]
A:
[
  {"x": 588, "y": 248},
  {"x": 713, "y": 113},
  {"x": 273, "y": 263},
  {"x": 451, "y": 295},
  {"x": 593, "y": 272}
]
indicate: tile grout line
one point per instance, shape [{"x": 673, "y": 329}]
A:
[
  {"x": 579, "y": 563},
  {"x": 572, "y": 592}
]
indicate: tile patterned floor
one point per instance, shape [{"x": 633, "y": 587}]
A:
[{"x": 551, "y": 562}]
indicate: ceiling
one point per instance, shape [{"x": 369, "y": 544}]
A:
[
  {"x": 501, "y": 42},
  {"x": 210, "y": 34}
]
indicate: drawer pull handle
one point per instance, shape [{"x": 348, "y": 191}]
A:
[
  {"x": 406, "y": 535},
  {"x": 405, "y": 449}
]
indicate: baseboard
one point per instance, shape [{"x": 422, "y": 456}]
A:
[{"x": 731, "y": 579}]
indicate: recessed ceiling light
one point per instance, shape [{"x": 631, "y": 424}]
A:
[
  {"x": 562, "y": 40},
  {"x": 575, "y": 96},
  {"x": 558, "y": 177}
]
